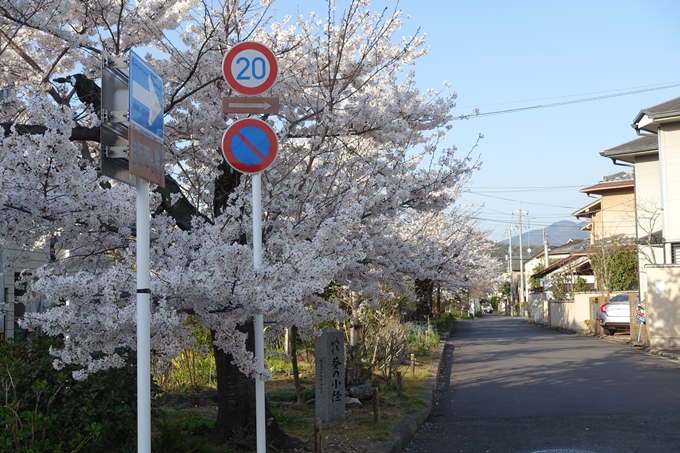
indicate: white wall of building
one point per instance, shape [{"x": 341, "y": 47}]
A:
[{"x": 669, "y": 156}]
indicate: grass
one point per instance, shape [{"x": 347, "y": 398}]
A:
[
  {"x": 357, "y": 432},
  {"x": 172, "y": 434},
  {"x": 172, "y": 429}
]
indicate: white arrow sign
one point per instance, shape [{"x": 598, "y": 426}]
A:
[
  {"x": 245, "y": 105},
  {"x": 250, "y": 105},
  {"x": 148, "y": 98}
]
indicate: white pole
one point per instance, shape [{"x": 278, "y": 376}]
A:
[
  {"x": 259, "y": 323},
  {"x": 143, "y": 320},
  {"x": 512, "y": 280}
]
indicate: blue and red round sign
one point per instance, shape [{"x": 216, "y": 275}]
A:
[
  {"x": 250, "y": 145},
  {"x": 250, "y": 68}
]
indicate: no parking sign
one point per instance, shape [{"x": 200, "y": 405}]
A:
[{"x": 250, "y": 145}]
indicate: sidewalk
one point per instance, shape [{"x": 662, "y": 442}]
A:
[{"x": 673, "y": 354}]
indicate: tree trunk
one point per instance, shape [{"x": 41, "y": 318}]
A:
[
  {"x": 236, "y": 403},
  {"x": 292, "y": 347},
  {"x": 424, "y": 292},
  {"x": 353, "y": 374}
]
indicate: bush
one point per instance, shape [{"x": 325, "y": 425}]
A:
[
  {"x": 422, "y": 337},
  {"x": 194, "y": 367},
  {"x": 289, "y": 394},
  {"x": 444, "y": 323},
  {"x": 50, "y": 411},
  {"x": 174, "y": 434},
  {"x": 389, "y": 347}
]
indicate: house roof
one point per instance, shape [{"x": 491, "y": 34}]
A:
[
  {"x": 645, "y": 145},
  {"x": 589, "y": 210},
  {"x": 605, "y": 186},
  {"x": 553, "y": 267},
  {"x": 650, "y": 118},
  {"x": 577, "y": 261},
  {"x": 570, "y": 247}
]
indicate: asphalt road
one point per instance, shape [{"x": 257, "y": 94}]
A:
[{"x": 508, "y": 387}]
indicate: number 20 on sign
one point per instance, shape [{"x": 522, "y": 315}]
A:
[{"x": 250, "y": 68}]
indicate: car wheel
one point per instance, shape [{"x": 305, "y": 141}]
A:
[{"x": 608, "y": 331}]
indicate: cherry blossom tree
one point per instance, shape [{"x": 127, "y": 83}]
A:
[{"x": 361, "y": 168}]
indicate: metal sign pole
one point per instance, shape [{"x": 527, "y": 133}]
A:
[
  {"x": 250, "y": 69},
  {"x": 258, "y": 321},
  {"x": 143, "y": 320}
]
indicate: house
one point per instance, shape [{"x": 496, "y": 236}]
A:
[
  {"x": 12, "y": 263},
  {"x": 570, "y": 259},
  {"x": 655, "y": 156},
  {"x": 611, "y": 215}
]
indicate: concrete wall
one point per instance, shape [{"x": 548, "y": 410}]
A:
[
  {"x": 561, "y": 314},
  {"x": 537, "y": 308},
  {"x": 583, "y": 310},
  {"x": 663, "y": 306},
  {"x": 569, "y": 314}
]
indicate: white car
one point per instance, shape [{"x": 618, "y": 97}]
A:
[
  {"x": 615, "y": 314},
  {"x": 486, "y": 307}
]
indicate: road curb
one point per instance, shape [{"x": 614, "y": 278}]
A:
[
  {"x": 666, "y": 354},
  {"x": 406, "y": 429}
]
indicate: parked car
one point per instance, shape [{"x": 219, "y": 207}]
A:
[
  {"x": 486, "y": 307},
  {"x": 615, "y": 314}
]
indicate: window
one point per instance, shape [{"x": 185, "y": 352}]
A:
[
  {"x": 675, "y": 253},
  {"x": 19, "y": 308}
]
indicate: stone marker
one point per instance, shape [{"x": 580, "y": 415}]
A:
[{"x": 330, "y": 375}]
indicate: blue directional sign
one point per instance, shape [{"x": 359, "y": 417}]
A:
[
  {"x": 145, "y": 131},
  {"x": 146, "y": 98},
  {"x": 250, "y": 145}
]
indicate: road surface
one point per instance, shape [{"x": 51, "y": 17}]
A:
[{"x": 509, "y": 387}]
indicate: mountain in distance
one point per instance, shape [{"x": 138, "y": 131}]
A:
[{"x": 558, "y": 234}]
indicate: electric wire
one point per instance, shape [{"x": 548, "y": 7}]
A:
[
  {"x": 478, "y": 114},
  {"x": 519, "y": 201}
]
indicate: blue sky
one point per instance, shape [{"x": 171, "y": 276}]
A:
[{"x": 501, "y": 55}]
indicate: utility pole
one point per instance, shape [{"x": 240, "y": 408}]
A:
[
  {"x": 545, "y": 249},
  {"x": 508, "y": 308},
  {"x": 521, "y": 266}
]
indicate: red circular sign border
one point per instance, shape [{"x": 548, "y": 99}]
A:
[
  {"x": 229, "y": 155},
  {"x": 231, "y": 55}
]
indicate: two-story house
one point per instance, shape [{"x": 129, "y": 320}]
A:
[
  {"x": 655, "y": 157},
  {"x": 612, "y": 214}
]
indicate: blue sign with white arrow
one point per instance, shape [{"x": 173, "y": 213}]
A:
[{"x": 146, "y": 98}]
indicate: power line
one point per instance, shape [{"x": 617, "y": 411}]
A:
[
  {"x": 519, "y": 201},
  {"x": 525, "y": 189},
  {"x": 478, "y": 114},
  {"x": 657, "y": 85}
]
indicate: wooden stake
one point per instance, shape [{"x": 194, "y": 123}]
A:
[
  {"x": 318, "y": 435},
  {"x": 413, "y": 365},
  {"x": 376, "y": 406},
  {"x": 398, "y": 383}
]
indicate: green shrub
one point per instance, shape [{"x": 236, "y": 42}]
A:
[
  {"x": 444, "y": 323},
  {"x": 173, "y": 434},
  {"x": 194, "y": 367},
  {"x": 50, "y": 411},
  {"x": 288, "y": 394},
  {"x": 422, "y": 337}
]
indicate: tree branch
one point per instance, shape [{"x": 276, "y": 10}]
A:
[{"x": 77, "y": 133}]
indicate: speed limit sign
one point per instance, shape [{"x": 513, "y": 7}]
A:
[{"x": 250, "y": 68}]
